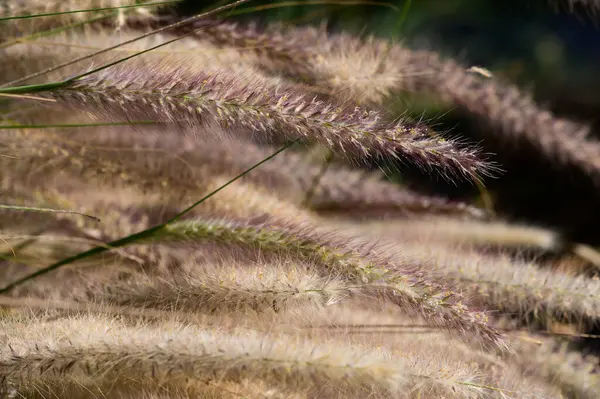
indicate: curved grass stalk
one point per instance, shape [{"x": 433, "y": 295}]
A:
[
  {"x": 231, "y": 288},
  {"x": 339, "y": 190},
  {"x": 103, "y": 353},
  {"x": 490, "y": 235},
  {"x": 352, "y": 260},
  {"x": 513, "y": 287},
  {"x": 172, "y": 94}
]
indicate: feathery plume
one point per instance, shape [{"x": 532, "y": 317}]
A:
[
  {"x": 468, "y": 233},
  {"x": 486, "y": 236},
  {"x": 23, "y": 59},
  {"x": 231, "y": 288},
  {"x": 292, "y": 174},
  {"x": 104, "y": 353},
  {"x": 513, "y": 287},
  {"x": 338, "y": 190},
  {"x": 355, "y": 261},
  {"x": 22, "y": 27},
  {"x": 171, "y": 94},
  {"x": 373, "y": 68},
  {"x": 575, "y": 374},
  {"x": 514, "y": 115},
  {"x": 291, "y": 54}
]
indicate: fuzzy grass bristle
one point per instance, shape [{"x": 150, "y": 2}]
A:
[
  {"x": 172, "y": 94},
  {"x": 203, "y": 212},
  {"x": 95, "y": 349}
]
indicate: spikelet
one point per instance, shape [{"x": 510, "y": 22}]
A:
[
  {"x": 354, "y": 260},
  {"x": 292, "y": 175},
  {"x": 169, "y": 93},
  {"x": 231, "y": 288},
  {"x": 575, "y": 374},
  {"x": 23, "y": 27},
  {"x": 495, "y": 234},
  {"x": 513, "y": 287},
  {"x": 336, "y": 190},
  {"x": 106, "y": 355}
]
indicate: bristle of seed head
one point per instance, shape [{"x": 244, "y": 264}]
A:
[
  {"x": 355, "y": 260},
  {"x": 171, "y": 94},
  {"x": 379, "y": 68}
]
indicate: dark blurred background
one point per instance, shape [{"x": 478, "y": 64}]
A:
[{"x": 543, "y": 46}]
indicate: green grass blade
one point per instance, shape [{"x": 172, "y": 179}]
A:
[
  {"x": 53, "y": 31},
  {"x": 33, "y": 88},
  {"x": 401, "y": 19},
  {"x": 107, "y": 49},
  {"x": 50, "y": 210},
  {"x": 51, "y": 14}
]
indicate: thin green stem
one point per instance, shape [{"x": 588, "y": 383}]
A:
[
  {"x": 317, "y": 180},
  {"x": 107, "y": 49},
  {"x": 244, "y": 173},
  {"x": 137, "y": 236},
  {"x": 51, "y": 14},
  {"x": 53, "y": 31},
  {"x": 50, "y": 210},
  {"x": 33, "y": 88},
  {"x": 397, "y": 30},
  {"x": 402, "y": 19}
]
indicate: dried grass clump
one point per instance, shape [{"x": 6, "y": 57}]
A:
[{"x": 157, "y": 240}]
